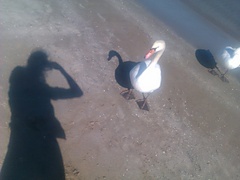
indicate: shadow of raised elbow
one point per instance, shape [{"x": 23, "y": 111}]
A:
[{"x": 77, "y": 92}]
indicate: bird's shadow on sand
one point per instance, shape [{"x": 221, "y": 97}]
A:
[
  {"x": 122, "y": 71},
  {"x": 207, "y": 60},
  {"x": 33, "y": 151}
]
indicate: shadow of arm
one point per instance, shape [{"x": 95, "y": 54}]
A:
[{"x": 62, "y": 93}]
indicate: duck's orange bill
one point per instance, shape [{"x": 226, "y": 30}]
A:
[{"x": 150, "y": 53}]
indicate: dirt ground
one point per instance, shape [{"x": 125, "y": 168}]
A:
[{"x": 192, "y": 128}]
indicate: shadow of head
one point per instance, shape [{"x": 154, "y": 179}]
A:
[
  {"x": 38, "y": 62},
  {"x": 205, "y": 58}
]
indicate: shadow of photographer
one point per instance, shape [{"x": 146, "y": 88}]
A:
[{"x": 33, "y": 151}]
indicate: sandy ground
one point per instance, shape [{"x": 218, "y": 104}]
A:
[{"x": 192, "y": 128}]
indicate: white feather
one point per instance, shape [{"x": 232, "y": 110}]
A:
[{"x": 231, "y": 61}]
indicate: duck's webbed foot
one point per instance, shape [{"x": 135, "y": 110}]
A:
[
  {"x": 224, "y": 79},
  {"x": 142, "y": 104},
  {"x": 128, "y": 94},
  {"x": 213, "y": 72}
]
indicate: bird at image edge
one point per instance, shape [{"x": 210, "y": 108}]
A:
[{"x": 230, "y": 58}]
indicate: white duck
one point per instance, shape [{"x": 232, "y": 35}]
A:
[
  {"x": 146, "y": 75},
  {"x": 230, "y": 59}
]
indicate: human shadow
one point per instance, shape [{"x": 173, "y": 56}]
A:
[
  {"x": 33, "y": 151},
  {"x": 122, "y": 74},
  {"x": 207, "y": 60}
]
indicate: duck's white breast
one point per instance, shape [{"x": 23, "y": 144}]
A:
[
  {"x": 231, "y": 62},
  {"x": 148, "y": 81}
]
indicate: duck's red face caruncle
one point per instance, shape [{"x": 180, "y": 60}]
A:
[{"x": 150, "y": 53}]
